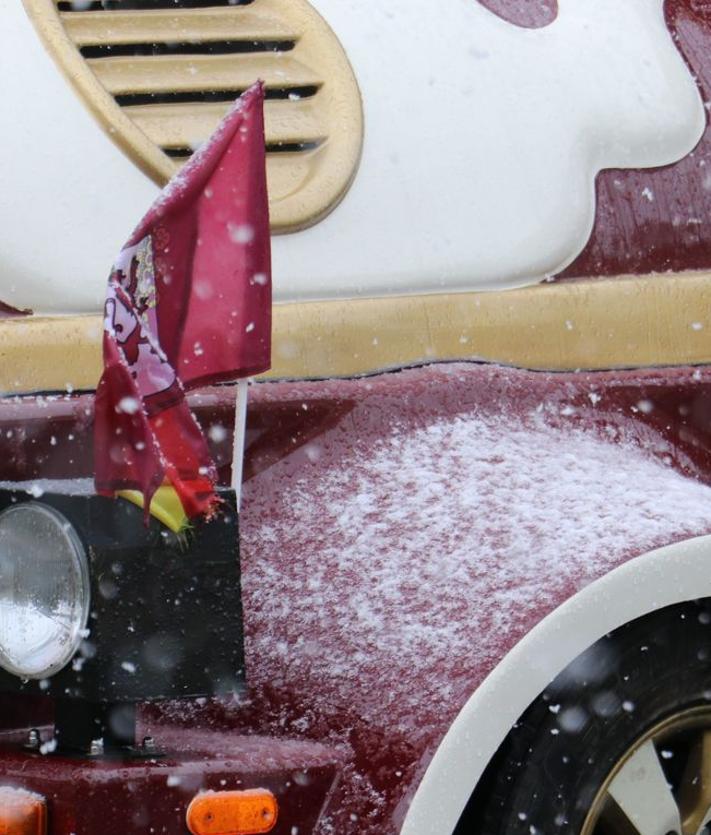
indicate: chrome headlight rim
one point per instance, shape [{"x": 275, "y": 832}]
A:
[{"x": 76, "y": 551}]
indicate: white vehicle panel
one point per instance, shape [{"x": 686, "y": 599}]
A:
[{"x": 482, "y": 142}]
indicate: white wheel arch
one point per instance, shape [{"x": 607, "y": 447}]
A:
[{"x": 659, "y": 578}]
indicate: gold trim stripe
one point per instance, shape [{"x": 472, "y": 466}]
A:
[{"x": 592, "y": 325}]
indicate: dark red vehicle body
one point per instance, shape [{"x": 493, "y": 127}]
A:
[
  {"x": 355, "y": 737},
  {"x": 401, "y": 532}
]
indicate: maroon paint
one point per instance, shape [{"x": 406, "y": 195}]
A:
[
  {"x": 342, "y": 415},
  {"x": 50, "y": 436},
  {"x": 632, "y": 234},
  {"x": 7, "y": 311},
  {"x": 115, "y": 797},
  {"x": 676, "y": 404},
  {"x": 673, "y": 231},
  {"x": 531, "y": 15}
]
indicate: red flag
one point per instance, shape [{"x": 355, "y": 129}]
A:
[{"x": 188, "y": 304}]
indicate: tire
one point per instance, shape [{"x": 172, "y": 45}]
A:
[{"x": 641, "y": 692}]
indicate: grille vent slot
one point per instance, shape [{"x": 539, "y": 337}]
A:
[{"x": 172, "y": 68}]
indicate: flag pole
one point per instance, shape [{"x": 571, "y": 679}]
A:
[{"x": 239, "y": 435}]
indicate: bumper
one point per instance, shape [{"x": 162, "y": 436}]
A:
[{"x": 106, "y": 796}]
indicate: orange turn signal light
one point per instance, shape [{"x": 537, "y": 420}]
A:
[
  {"x": 22, "y": 813},
  {"x": 249, "y": 812}
]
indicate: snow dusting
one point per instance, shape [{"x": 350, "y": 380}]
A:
[
  {"x": 11, "y": 793},
  {"x": 386, "y": 575},
  {"x": 392, "y": 558},
  {"x": 39, "y": 486}
]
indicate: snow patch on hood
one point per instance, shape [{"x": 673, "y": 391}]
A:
[{"x": 408, "y": 563}]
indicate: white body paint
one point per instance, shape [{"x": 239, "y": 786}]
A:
[
  {"x": 649, "y": 582},
  {"x": 482, "y": 143}
]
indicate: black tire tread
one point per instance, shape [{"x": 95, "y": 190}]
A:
[{"x": 543, "y": 778}]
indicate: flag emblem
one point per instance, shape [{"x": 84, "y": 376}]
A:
[{"x": 188, "y": 304}]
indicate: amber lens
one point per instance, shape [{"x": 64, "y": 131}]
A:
[
  {"x": 22, "y": 813},
  {"x": 249, "y": 812}
]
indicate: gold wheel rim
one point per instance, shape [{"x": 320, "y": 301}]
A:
[{"x": 686, "y": 734}]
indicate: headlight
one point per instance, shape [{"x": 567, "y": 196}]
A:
[
  {"x": 44, "y": 590},
  {"x": 165, "y": 610}
]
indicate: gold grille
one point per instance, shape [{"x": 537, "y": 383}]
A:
[{"x": 159, "y": 75}]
